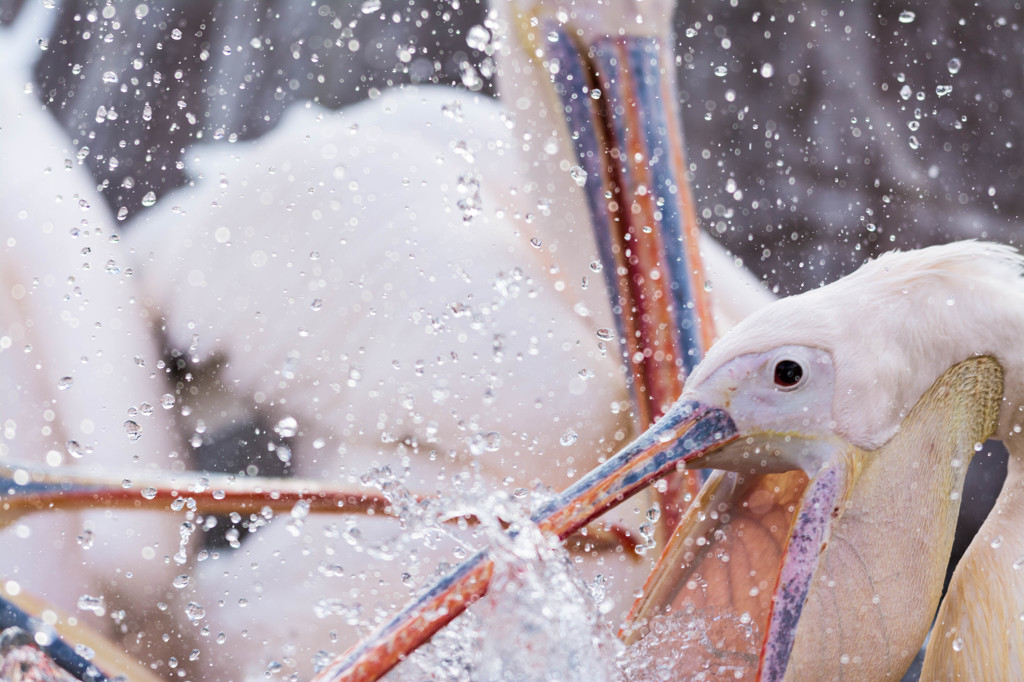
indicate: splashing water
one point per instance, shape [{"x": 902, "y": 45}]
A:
[
  {"x": 693, "y": 644},
  {"x": 539, "y": 620}
]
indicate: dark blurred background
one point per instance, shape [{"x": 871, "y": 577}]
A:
[{"x": 820, "y": 133}]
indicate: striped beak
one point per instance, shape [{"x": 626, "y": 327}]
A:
[
  {"x": 25, "y": 490},
  {"x": 619, "y": 100}
]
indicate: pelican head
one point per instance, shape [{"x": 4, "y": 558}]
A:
[{"x": 849, "y": 360}]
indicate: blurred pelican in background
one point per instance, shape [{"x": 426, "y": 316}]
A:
[
  {"x": 413, "y": 283},
  {"x": 80, "y": 377}
]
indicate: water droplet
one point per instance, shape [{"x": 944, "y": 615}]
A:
[
  {"x": 370, "y": 6},
  {"x": 906, "y": 92},
  {"x": 89, "y": 603},
  {"x": 65, "y": 383},
  {"x": 195, "y": 612},
  {"x": 149, "y": 493},
  {"x": 470, "y": 78},
  {"x": 141, "y": 10},
  {"x": 317, "y": 304},
  {"x": 568, "y": 438},
  {"x": 604, "y": 334},
  {"x": 767, "y": 70},
  {"x": 284, "y": 453},
  {"x": 943, "y": 90},
  {"x": 287, "y": 427},
  {"x": 958, "y": 644},
  {"x": 535, "y": 242},
  {"x": 176, "y": 34},
  {"x": 109, "y": 77},
  {"x": 167, "y": 401},
  {"x": 907, "y": 17},
  {"x": 86, "y": 539},
  {"x": 997, "y": 542},
  {"x": 300, "y": 509},
  {"x": 721, "y": 71},
  {"x": 149, "y": 199},
  {"x": 492, "y": 441},
  {"x": 181, "y": 581},
  {"x": 579, "y": 175},
  {"x": 133, "y": 430},
  {"x": 954, "y": 65},
  {"x": 478, "y": 38}
]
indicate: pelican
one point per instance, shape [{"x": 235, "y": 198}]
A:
[
  {"x": 842, "y": 421},
  {"x": 79, "y": 380}
]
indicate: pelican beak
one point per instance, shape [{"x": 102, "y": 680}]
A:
[
  {"x": 687, "y": 432},
  {"x": 25, "y": 489},
  {"x": 612, "y": 92},
  {"x": 749, "y": 548}
]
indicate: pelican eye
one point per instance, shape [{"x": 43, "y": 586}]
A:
[{"x": 788, "y": 373}]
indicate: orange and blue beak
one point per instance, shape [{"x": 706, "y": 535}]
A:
[
  {"x": 49, "y": 642},
  {"x": 619, "y": 100},
  {"x": 25, "y": 490}
]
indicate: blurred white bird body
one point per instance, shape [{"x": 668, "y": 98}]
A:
[
  {"x": 395, "y": 278},
  {"x": 79, "y": 384}
]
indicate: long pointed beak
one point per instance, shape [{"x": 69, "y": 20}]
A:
[
  {"x": 686, "y": 432},
  {"x": 50, "y": 642},
  {"x": 25, "y": 489},
  {"x": 618, "y": 97}
]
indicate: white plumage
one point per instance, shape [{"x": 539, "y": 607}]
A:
[
  {"x": 393, "y": 273},
  {"x": 77, "y": 363}
]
